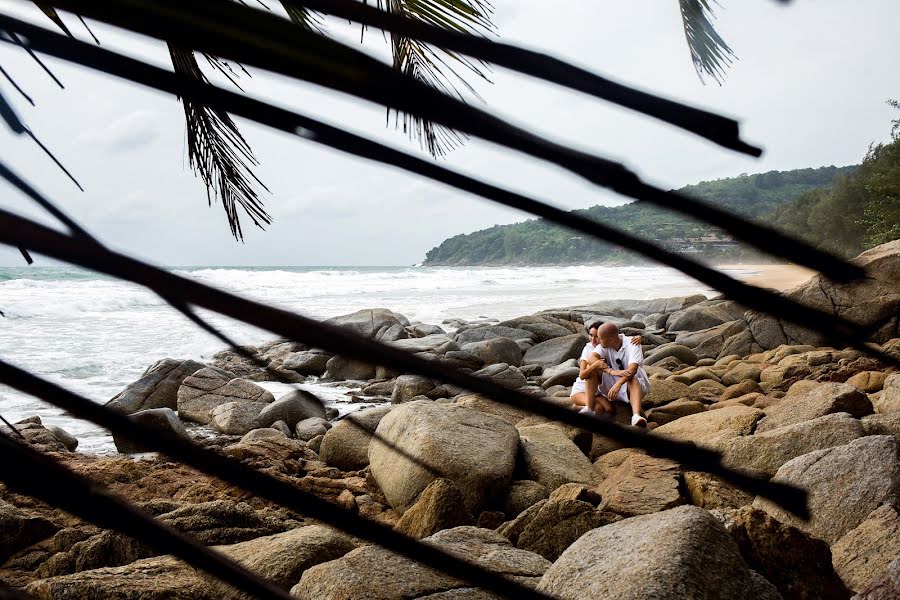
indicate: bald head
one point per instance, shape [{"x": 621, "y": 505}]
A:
[{"x": 609, "y": 335}]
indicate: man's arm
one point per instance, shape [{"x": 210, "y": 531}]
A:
[{"x": 624, "y": 377}]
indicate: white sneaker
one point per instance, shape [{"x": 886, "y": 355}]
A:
[
  {"x": 638, "y": 421},
  {"x": 586, "y": 411}
]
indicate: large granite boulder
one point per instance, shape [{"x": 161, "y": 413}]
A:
[
  {"x": 680, "y": 553},
  {"x": 474, "y": 450},
  {"x": 346, "y": 444},
  {"x": 208, "y": 388},
  {"x": 798, "y": 565},
  {"x": 373, "y": 573},
  {"x": 766, "y": 452},
  {"x": 815, "y": 400},
  {"x": 497, "y": 350},
  {"x": 702, "y": 426},
  {"x": 641, "y": 485},
  {"x": 866, "y": 301},
  {"x": 868, "y": 550},
  {"x": 162, "y": 419},
  {"x": 157, "y": 387},
  {"x": 550, "y": 526},
  {"x": 555, "y": 351},
  {"x": 845, "y": 484},
  {"x": 551, "y": 458}
]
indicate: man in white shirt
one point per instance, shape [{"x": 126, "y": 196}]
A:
[
  {"x": 590, "y": 367},
  {"x": 616, "y": 372}
]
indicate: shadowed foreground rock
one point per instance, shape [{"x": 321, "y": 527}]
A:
[
  {"x": 679, "y": 553},
  {"x": 373, "y": 573},
  {"x": 845, "y": 484},
  {"x": 798, "y": 565},
  {"x": 281, "y": 558}
]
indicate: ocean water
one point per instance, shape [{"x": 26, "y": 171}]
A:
[{"x": 94, "y": 335}]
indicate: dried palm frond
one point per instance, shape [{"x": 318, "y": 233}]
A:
[
  {"x": 709, "y": 52},
  {"x": 219, "y": 153}
]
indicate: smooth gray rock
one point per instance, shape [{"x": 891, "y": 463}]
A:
[
  {"x": 497, "y": 350},
  {"x": 679, "y": 553},
  {"x": 766, "y": 452},
  {"x": 237, "y": 418},
  {"x": 309, "y": 428},
  {"x": 346, "y": 369},
  {"x": 503, "y": 374},
  {"x": 407, "y": 387},
  {"x": 292, "y": 408},
  {"x": 679, "y": 351},
  {"x": 555, "y": 351},
  {"x": 157, "y": 387},
  {"x": 369, "y": 322},
  {"x": 489, "y": 332},
  {"x": 699, "y": 317},
  {"x": 307, "y": 362},
  {"x": 68, "y": 440},
  {"x": 163, "y": 419},
  {"x": 208, "y": 388}
]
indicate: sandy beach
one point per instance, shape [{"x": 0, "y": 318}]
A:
[{"x": 779, "y": 277}]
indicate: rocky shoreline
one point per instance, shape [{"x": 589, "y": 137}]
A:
[{"x": 553, "y": 506}]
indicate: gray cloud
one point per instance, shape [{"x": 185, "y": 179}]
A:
[{"x": 809, "y": 86}]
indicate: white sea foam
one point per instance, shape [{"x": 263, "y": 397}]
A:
[{"x": 94, "y": 335}]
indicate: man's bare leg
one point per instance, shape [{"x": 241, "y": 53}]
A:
[
  {"x": 635, "y": 396},
  {"x": 604, "y": 404}
]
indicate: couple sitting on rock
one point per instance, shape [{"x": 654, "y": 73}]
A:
[{"x": 611, "y": 369}]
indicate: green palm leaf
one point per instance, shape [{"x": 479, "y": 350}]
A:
[
  {"x": 436, "y": 67},
  {"x": 219, "y": 153},
  {"x": 709, "y": 52}
]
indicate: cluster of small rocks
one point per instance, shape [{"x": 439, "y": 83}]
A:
[{"x": 556, "y": 507}]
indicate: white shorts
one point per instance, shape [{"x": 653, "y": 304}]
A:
[{"x": 607, "y": 381}]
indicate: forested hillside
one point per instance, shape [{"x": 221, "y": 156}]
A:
[
  {"x": 857, "y": 212},
  {"x": 843, "y": 210},
  {"x": 538, "y": 242}
]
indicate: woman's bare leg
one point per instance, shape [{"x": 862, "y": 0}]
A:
[{"x": 579, "y": 399}]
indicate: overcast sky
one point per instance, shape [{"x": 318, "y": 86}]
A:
[{"x": 809, "y": 86}]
